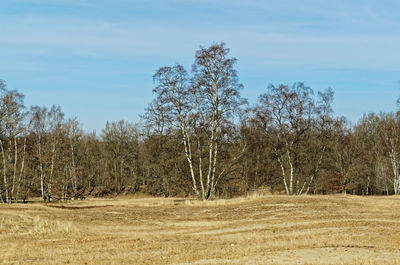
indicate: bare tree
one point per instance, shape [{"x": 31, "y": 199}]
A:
[
  {"x": 370, "y": 166},
  {"x": 321, "y": 136},
  {"x": 216, "y": 92},
  {"x": 344, "y": 153},
  {"x": 291, "y": 111},
  {"x": 390, "y": 132},
  {"x": 121, "y": 146},
  {"x": 55, "y": 123},
  {"x": 201, "y": 109},
  {"x": 38, "y": 126},
  {"x": 73, "y": 134},
  {"x": 12, "y": 115},
  {"x": 173, "y": 92},
  {"x": 158, "y": 117}
]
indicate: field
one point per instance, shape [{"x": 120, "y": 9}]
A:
[{"x": 257, "y": 230}]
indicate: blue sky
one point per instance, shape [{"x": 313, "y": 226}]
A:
[{"x": 96, "y": 58}]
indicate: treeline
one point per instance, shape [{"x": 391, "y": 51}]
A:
[{"x": 200, "y": 138}]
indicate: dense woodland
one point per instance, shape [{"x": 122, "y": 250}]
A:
[{"x": 200, "y": 138}]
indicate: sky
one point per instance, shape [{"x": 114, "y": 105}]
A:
[{"x": 96, "y": 58}]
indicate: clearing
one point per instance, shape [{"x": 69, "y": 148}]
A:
[{"x": 259, "y": 230}]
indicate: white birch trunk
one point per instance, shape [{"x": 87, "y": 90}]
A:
[
  {"x": 214, "y": 169},
  {"x": 291, "y": 173},
  {"x": 283, "y": 176},
  {"x": 200, "y": 168},
  {"x": 188, "y": 154},
  {"x": 15, "y": 166},
  {"x": 393, "y": 160},
  {"x": 210, "y": 161},
  {"x": 4, "y": 171},
  {"x": 41, "y": 169}
]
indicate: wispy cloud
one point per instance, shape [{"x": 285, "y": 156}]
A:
[
  {"x": 99, "y": 41},
  {"x": 108, "y": 39}
]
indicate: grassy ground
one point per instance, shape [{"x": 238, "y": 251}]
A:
[{"x": 263, "y": 230}]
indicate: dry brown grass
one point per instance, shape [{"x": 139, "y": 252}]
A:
[{"x": 256, "y": 230}]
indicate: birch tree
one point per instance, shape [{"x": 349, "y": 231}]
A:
[
  {"x": 11, "y": 127},
  {"x": 173, "y": 92},
  {"x": 216, "y": 92},
  {"x": 390, "y": 133},
  {"x": 291, "y": 111},
  {"x": 201, "y": 107}
]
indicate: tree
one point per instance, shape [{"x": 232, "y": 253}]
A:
[
  {"x": 344, "y": 154},
  {"x": 73, "y": 133},
  {"x": 37, "y": 123},
  {"x": 11, "y": 128},
  {"x": 321, "y": 138},
  {"x": 216, "y": 92},
  {"x": 390, "y": 133},
  {"x": 121, "y": 145},
  {"x": 160, "y": 158},
  {"x": 369, "y": 166},
  {"x": 293, "y": 117},
  {"x": 55, "y": 126},
  {"x": 202, "y": 108}
]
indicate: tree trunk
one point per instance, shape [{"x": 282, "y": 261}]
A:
[
  {"x": 188, "y": 154},
  {"x": 199, "y": 149},
  {"x": 73, "y": 169},
  {"x": 291, "y": 173},
  {"x": 4, "y": 171},
  {"x": 396, "y": 180},
  {"x": 283, "y": 176},
  {"x": 42, "y": 176},
  {"x": 22, "y": 170},
  {"x": 213, "y": 184},
  {"x": 15, "y": 166},
  {"x": 53, "y": 156}
]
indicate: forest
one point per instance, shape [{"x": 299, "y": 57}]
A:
[{"x": 200, "y": 138}]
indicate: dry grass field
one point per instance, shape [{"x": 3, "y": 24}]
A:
[{"x": 261, "y": 230}]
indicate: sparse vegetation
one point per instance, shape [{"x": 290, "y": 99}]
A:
[{"x": 246, "y": 230}]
